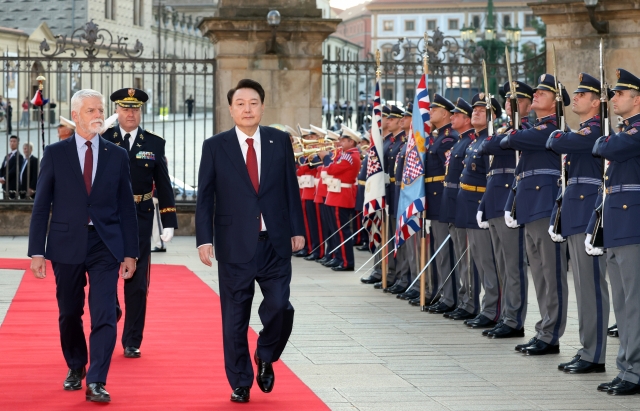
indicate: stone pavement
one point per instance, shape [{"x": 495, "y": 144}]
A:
[{"x": 360, "y": 349}]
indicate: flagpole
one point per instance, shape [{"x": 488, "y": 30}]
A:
[
  {"x": 40, "y": 79},
  {"x": 423, "y": 234},
  {"x": 385, "y": 212}
]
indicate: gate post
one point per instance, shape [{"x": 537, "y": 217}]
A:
[{"x": 292, "y": 77}]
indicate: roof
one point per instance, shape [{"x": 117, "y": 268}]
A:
[
  {"x": 381, "y": 4},
  {"x": 354, "y": 12}
]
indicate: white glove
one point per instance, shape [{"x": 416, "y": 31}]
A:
[
  {"x": 557, "y": 238},
  {"x": 482, "y": 224},
  {"x": 167, "y": 234},
  {"x": 511, "y": 223},
  {"x": 427, "y": 226},
  {"x": 591, "y": 250}
]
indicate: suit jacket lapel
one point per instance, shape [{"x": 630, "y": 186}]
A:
[
  {"x": 138, "y": 144},
  {"x": 72, "y": 154},
  {"x": 266, "y": 154},
  {"x": 103, "y": 158},
  {"x": 232, "y": 148}
]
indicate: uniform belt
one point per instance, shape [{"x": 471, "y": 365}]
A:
[
  {"x": 392, "y": 179},
  {"x": 538, "y": 172},
  {"x": 468, "y": 187},
  {"x": 585, "y": 180},
  {"x": 362, "y": 182},
  {"x": 433, "y": 179},
  {"x": 623, "y": 187},
  {"x": 501, "y": 171},
  {"x": 450, "y": 185},
  {"x": 140, "y": 198},
  {"x": 344, "y": 185}
]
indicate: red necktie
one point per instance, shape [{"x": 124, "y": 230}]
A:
[
  {"x": 88, "y": 167},
  {"x": 252, "y": 165}
]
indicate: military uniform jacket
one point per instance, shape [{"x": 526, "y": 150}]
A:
[
  {"x": 584, "y": 175},
  {"x": 539, "y": 170},
  {"x": 345, "y": 169},
  {"x": 309, "y": 173},
  {"x": 399, "y": 169},
  {"x": 454, "y": 166},
  {"x": 441, "y": 141},
  {"x": 321, "y": 189},
  {"x": 622, "y": 204},
  {"x": 362, "y": 180},
  {"x": 502, "y": 170},
  {"x": 390, "y": 161},
  {"x": 147, "y": 164},
  {"x": 474, "y": 175}
]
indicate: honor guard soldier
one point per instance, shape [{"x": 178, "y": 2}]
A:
[
  {"x": 440, "y": 142},
  {"x": 508, "y": 243},
  {"x": 361, "y": 240},
  {"x": 584, "y": 177},
  {"x": 473, "y": 182},
  {"x": 341, "y": 196},
  {"x": 146, "y": 153},
  {"x": 620, "y": 230},
  {"x": 536, "y": 192},
  {"x": 309, "y": 206},
  {"x": 327, "y": 214},
  {"x": 305, "y": 180},
  {"x": 461, "y": 122}
]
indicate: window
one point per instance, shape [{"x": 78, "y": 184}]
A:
[
  {"x": 387, "y": 25},
  {"x": 453, "y": 24},
  {"x": 431, "y": 24},
  {"x": 138, "y": 12},
  {"x": 528, "y": 21},
  {"x": 475, "y": 21},
  {"x": 506, "y": 21},
  {"x": 110, "y": 9},
  {"x": 409, "y": 25},
  {"x": 409, "y": 93}
]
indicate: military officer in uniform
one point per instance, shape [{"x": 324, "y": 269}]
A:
[
  {"x": 508, "y": 243},
  {"x": 362, "y": 180},
  {"x": 473, "y": 182},
  {"x": 536, "y": 192},
  {"x": 449, "y": 301},
  {"x": 584, "y": 177},
  {"x": 146, "y": 153},
  {"x": 620, "y": 229},
  {"x": 327, "y": 215},
  {"x": 310, "y": 209}
]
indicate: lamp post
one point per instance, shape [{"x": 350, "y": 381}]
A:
[
  {"x": 513, "y": 37},
  {"x": 273, "y": 19},
  {"x": 602, "y": 27}
]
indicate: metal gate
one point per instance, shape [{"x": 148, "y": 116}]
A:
[{"x": 181, "y": 106}]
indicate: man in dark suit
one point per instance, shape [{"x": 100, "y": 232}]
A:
[
  {"x": 11, "y": 166},
  {"x": 247, "y": 180},
  {"x": 28, "y": 172},
  {"x": 147, "y": 166},
  {"x": 84, "y": 180}
]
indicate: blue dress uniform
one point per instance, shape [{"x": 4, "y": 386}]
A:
[
  {"x": 536, "y": 193},
  {"x": 403, "y": 266},
  {"x": 508, "y": 243},
  {"x": 622, "y": 238},
  {"x": 453, "y": 169},
  {"x": 473, "y": 182},
  {"x": 148, "y": 166},
  {"x": 441, "y": 141}
]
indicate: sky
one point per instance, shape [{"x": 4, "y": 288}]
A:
[{"x": 345, "y": 4}]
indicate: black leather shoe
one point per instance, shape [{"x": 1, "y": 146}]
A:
[
  {"x": 311, "y": 257},
  {"x": 131, "y": 352},
  {"x": 454, "y": 312},
  {"x": 118, "y": 313},
  {"x": 506, "y": 332},
  {"x": 415, "y": 302},
  {"x": 378, "y": 285},
  {"x": 96, "y": 393},
  {"x": 369, "y": 280},
  {"x": 409, "y": 295},
  {"x": 340, "y": 268},
  {"x": 574, "y": 360},
  {"x": 437, "y": 306},
  {"x": 159, "y": 250},
  {"x": 322, "y": 260},
  {"x": 624, "y": 388},
  {"x": 495, "y": 327},
  {"x": 584, "y": 367},
  {"x": 532, "y": 341},
  {"x": 482, "y": 322},
  {"x": 463, "y": 315},
  {"x": 606, "y": 385},
  {"x": 332, "y": 263},
  {"x": 240, "y": 394},
  {"x": 265, "y": 376},
  {"x": 363, "y": 247},
  {"x": 443, "y": 308},
  {"x": 73, "y": 382},
  {"x": 397, "y": 289},
  {"x": 613, "y": 331},
  {"x": 474, "y": 320},
  {"x": 301, "y": 253},
  {"x": 541, "y": 348}
]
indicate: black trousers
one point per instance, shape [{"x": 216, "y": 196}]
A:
[
  {"x": 237, "y": 287},
  {"x": 312, "y": 222},
  {"x": 136, "y": 288},
  {"x": 326, "y": 217},
  {"x": 71, "y": 279},
  {"x": 339, "y": 217}
]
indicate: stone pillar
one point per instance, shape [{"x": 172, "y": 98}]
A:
[
  {"x": 292, "y": 78},
  {"x": 577, "y": 42}
]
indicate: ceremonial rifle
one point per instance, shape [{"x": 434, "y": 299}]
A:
[
  {"x": 515, "y": 120},
  {"x": 557, "y": 222},
  {"x": 487, "y": 99},
  {"x": 597, "y": 239}
]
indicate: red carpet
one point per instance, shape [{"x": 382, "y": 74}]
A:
[{"x": 181, "y": 367}]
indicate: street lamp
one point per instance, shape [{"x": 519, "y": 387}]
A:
[
  {"x": 602, "y": 27},
  {"x": 273, "y": 19},
  {"x": 468, "y": 34},
  {"x": 513, "y": 37}
]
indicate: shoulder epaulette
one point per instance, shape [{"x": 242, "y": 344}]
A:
[{"x": 153, "y": 134}]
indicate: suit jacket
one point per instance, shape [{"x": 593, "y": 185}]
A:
[
  {"x": 61, "y": 189},
  {"x": 228, "y": 201},
  {"x": 9, "y": 171},
  {"x": 29, "y": 177}
]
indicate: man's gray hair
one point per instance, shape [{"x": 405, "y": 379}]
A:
[
  {"x": 81, "y": 95},
  {"x": 29, "y": 144}
]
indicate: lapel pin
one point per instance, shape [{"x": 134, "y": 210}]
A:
[
  {"x": 271, "y": 141},
  {"x": 139, "y": 145}
]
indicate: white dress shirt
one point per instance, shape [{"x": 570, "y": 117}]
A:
[
  {"x": 242, "y": 139},
  {"x": 133, "y": 134}
]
